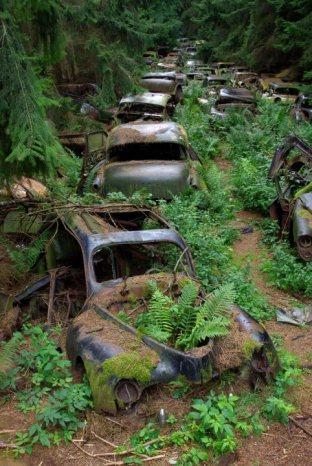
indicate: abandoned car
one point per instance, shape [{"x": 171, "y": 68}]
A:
[
  {"x": 102, "y": 263},
  {"x": 291, "y": 171},
  {"x": 78, "y": 92},
  {"x": 154, "y": 156},
  {"x": 177, "y": 76},
  {"x": 150, "y": 57},
  {"x": 164, "y": 83},
  {"x": 245, "y": 78},
  {"x": 213, "y": 83},
  {"x": 151, "y": 106},
  {"x": 233, "y": 98},
  {"x": 303, "y": 107},
  {"x": 279, "y": 92}
]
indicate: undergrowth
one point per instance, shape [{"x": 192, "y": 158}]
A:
[
  {"x": 217, "y": 424},
  {"x": 32, "y": 366}
]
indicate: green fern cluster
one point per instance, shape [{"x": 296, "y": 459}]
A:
[
  {"x": 183, "y": 323},
  {"x": 24, "y": 259}
]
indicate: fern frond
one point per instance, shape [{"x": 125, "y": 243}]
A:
[
  {"x": 160, "y": 310},
  {"x": 8, "y": 351},
  {"x": 211, "y": 318}
]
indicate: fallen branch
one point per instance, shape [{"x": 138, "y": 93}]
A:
[
  {"x": 300, "y": 426},
  {"x": 103, "y": 440},
  {"x": 114, "y": 421},
  {"x": 91, "y": 455},
  {"x": 115, "y": 463}
]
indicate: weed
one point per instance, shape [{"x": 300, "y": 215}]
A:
[{"x": 51, "y": 394}]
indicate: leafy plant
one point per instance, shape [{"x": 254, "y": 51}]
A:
[
  {"x": 184, "y": 323},
  {"x": 51, "y": 394}
]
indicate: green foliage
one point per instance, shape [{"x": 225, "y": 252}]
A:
[
  {"x": 278, "y": 409},
  {"x": 28, "y": 146},
  {"x": 23, "y": 259},
  {"x": 286, "y": 271},
  {"x": 266, "y": 34},
  {"x": 183, "y": 323},
  {"x": 51, "y": 394}
]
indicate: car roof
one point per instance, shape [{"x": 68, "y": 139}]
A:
[
  {"x": 151, "y": 98},
  {"x": 159, "y": 75},
  {"x": 141, "y": 132}
]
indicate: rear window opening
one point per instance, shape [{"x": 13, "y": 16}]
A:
[
  {"x": 286, "y": 91},
  {"x": 120, "y": 261},
  {"x": 152, "y": 151}
]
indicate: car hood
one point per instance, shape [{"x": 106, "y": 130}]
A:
[{"x": 161, "y": 178}]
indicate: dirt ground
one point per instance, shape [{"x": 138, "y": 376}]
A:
[{"x": 280, "y": 445}]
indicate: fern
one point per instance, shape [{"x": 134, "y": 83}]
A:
[
  {"x": 8, "y": 352},
  {"x": 183, "y": 323},
  {"x": 212, "y": 319}
]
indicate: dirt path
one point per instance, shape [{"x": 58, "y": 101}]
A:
[{"x": 249, "y": 250}]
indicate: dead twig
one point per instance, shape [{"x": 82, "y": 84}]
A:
[
  {"x": 95, "y": 330},
  {"x": 300, "y": 426},
  {"x": 103, "y": 440},
  {"x": 114, "y": 421},
  {"x": 91, "y": 455}
]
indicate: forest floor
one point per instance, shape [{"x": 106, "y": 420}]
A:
[{"x": 279, "y": 445}]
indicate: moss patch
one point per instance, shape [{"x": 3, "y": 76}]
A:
[{"x": 129, "y": 366}]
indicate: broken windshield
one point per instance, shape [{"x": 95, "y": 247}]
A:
[
  {"x": 156, "y": 151},
  {"x": 120, "y": 261}
]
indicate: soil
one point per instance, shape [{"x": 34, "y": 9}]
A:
[
  {"x": 92, "y": 324},
  {"x": 280, "y": 445}
]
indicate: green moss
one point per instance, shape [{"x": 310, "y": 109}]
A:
[
  {"x": 129, "y": 366},
  {"x": 249, "y": 347}
]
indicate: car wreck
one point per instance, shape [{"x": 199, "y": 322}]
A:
[
  {"x": 245, "y": 78},
  {"x": 279, "y": 92},
  {"x": 78, "y": 92},
  {"x": 233, "y": 98},
  {"x": 147, "y": 106},
  {"x": 291, "y": 171},
  {"x": 123, "y": 259},
  {"x": 303, "y": 107},
  {"x": 100, "y": 264},
  {"x": 152, "y": 155},
  {"x": 177, "y": 76},
  {"x": 164, "y": 83},
  {"x": 213, "y": 83}
]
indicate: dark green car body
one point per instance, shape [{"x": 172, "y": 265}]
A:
[{"x": 152, "y": 156}]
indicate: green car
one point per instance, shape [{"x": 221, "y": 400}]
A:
[{"x": 152, "y": 155}]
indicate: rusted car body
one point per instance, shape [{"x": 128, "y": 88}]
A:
[
  {"x": 150, "y": 106},
  {"x": 222, "y": 67},
  {"x": 119, "y": 270},
  {"x": 149, "y": 155},
  {"x": 192, "y": 65},
  {"x": 98, "y": 265},
  {"x": 177, "y": 76},
  {"x": 164, "y": 84},
  {"x": 213, "y": 83},
  {"x": 233, "y": 98},
  {"x": 90, "y": 146},
  {"x": 150, "y": 57},
  {"x": 245, "y": 78},
  {"x": 291, "y": 171},
  {"x": 78, "y": 92},
  {"x": 303, "y": 107},
  {"x": 195, "y": 76},
  {"x": 278, "y": 92}
]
